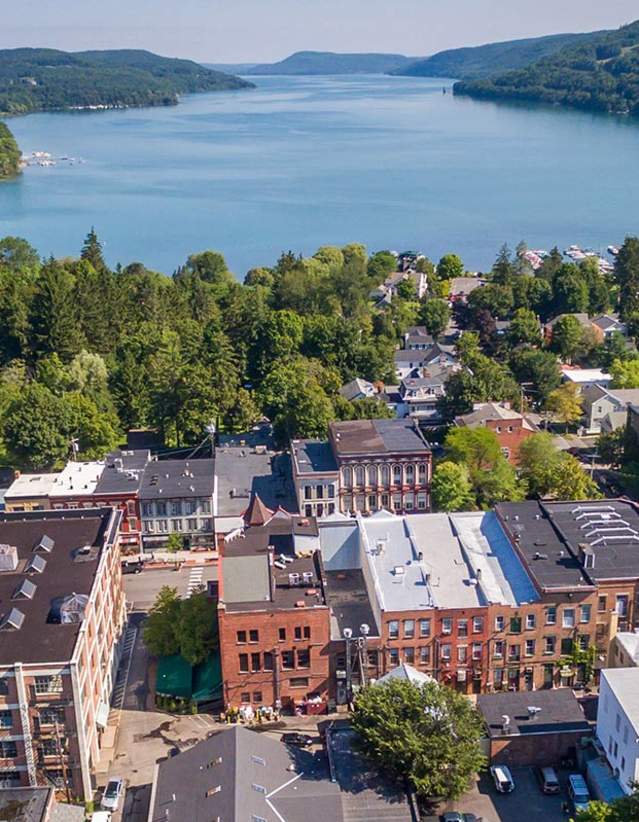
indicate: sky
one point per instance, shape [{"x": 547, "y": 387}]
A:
[{"x": 221, "y": 31}]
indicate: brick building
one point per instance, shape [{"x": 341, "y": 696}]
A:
[
  {"x": 272, "y": 613},
  {"x": 510, "y": 427},
  {"x": 62, "y": 611},
  {"x": 366, "y": 466}
]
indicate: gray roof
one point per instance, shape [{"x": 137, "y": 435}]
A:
[
  {"x": 238, "y": 775},
  {"x": 606, "y": 321},
  {"x": 353, "y": 389},
  {"x": 560, "y": 712},
  {"x": 348, "y": 599},
  {"x": 247, "y": 579},
  {"x": 122, "y": 472},
  {"x": 25, "y": 804},
  {"x": 313, "y": 457},
  {"x": 170, "y": 479},
  {"x": 355, "y": 437},
  {"x": 243, "y": 472}
]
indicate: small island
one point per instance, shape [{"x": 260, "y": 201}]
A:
[{"x": 9, "y": 154}]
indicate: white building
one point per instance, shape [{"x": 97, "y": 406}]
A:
[{"x": 618, "y": 722}]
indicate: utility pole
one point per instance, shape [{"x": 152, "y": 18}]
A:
[{"x": 348, "y": 633}]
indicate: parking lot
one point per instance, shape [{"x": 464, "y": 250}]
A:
[{"x": 524, "y": 803}]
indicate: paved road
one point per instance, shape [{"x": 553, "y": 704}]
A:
[{"x": 141, "y": 589}]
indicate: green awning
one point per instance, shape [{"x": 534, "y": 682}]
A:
[
  {"x": 207, "y": 679},
  {"x": 174, "y": 677}
]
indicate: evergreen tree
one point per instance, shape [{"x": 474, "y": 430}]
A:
[
  {"x": 92, "y": 251},
  {"x": 55, "y": 325}
]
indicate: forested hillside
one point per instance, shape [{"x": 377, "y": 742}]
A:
[
  {"x": 600, "y": 75},
  {"x": 327, "y": 62},
  {"x": 492, "y": 58},
  {"x": 46, "y": 80},
  {"x": 9, "y": 153}
]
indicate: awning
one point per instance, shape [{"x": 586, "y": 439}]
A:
[{"x": 102, "y": 714}]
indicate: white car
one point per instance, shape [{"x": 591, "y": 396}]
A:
[
  {"x": 113, "y": 793},
  {"x": 502, "y": 778}
]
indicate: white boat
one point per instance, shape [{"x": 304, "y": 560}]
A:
[{"x": 614, "y": 250}]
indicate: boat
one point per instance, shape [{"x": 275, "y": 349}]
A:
[{"x": 613, "y": 250}]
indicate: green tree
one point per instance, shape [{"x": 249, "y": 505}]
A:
[
  {"x": 370, "y": 408},
  {"x": 565, "y": 404},
  {"x": 451, "y": 489},
  {"x": 524, "y": 328},
  {"x": 566, "y": 337},
  {"x": 380, "y": 265},
  {"x": 17, "y": 256},
  {"x": 531, "y": 365},
  {"x": 161, "y": 629},
  {"x": 435, "y": 315},
  {"x": 197, "y": 633},
  {"x": 37, "y": 428},
  {"x": 503, "y": 268},
  {"x": 54, "y": 319},
  {"x": 625, "y": 373},
  {"x": 548, "y": 472},
  {"x": 449, "y": 267},
  {"x": 627, "y": 276},
  {"x": 92, "y": 251},
  {"x": 611, "y": 447},
  {"x": 570, "y": 290},
  {"x": 428, "y": 736}
]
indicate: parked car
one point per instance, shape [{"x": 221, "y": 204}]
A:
[
  {"x": 502, "y": 778},
  {"x": 131, "y": 566},
  {"x": 297, "y": 739},
  {"x": 112, "y": 796},
  {"x": 548, "y": 780},
  {"x": 578, "y": 792},
  {"x": 458, "y": 816}
]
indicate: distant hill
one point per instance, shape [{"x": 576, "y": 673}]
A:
[
  {"x": 231, "y": 68},
  {"x": 51, "y": 80},
  {"x": 481, "y": 61},
  {"x": 599, "y": 75},
  {"x": 326, "y": 62},
  {"x": 9, "y": 153}
]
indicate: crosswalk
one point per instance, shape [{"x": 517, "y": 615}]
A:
[
  {"x": 128, "y": 644},
  {"x": 196, "y": 581}
]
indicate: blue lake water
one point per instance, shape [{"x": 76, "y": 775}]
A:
[{"x": 305, "y": 161}]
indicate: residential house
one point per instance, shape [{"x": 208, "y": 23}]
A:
[
  {"x": 609, "y": 324},
  {"x": 584, "y": 321},
  {"x": 462, "y": 287},
  {"x": 385, "y": 292},
  {"x": 357, "y": 389},
  {"x": 510, "y": 427},
  {"x": 421, "y": 391},
  {"x": 618, "y": 723},
  {"x": 407, "y": 361},
  {"x": 176, "y": 497},
  {"x": 316, "y": 477},
  {"x": 585, "y": 377},
  {"x": 62, "y": 613},
  {"x": 606, "y": 409}
]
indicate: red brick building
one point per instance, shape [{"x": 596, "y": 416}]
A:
[{"x": 510, "y": 427}]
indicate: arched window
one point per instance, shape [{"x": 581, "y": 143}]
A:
[
  {"x": 347, "y": 477},
  {"x": 385, "y": 474},
  {"x": 397, "y": 474},
  {"x": 372, "y": 475},
  {"x": 359, "y": 475},
  {"x": 421, "y": 472},
  {"x": 410, "y": 473}
]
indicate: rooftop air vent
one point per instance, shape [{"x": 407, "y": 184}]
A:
[
  {"x": 8, "y": 558},
  {"x": 36, "y": 565},
  {"x": 25, "y": 590},
  {"x": 45, "y": 544},
  {"x": 294, "y": 578},
  {"x": 12, "y": 621}
]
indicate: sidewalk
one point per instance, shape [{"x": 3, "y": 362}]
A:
[{"x": 160, "y": 559}]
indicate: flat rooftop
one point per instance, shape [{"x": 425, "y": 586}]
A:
[
  {"x": 624, "y": 683},
  {"x": 559, "y": 712},
  {"x": 123, "y": 472},
  {"x": 36, "y": 593},
  {"x": 167, "y": 479},
  {"x": 77, "y": 479},
  {"x": 31, "y": 485},
  {"x": 313, "y": 457},
  {"x": 25, "y": 804},
  {"x": 242, "y": 472},
  {"x": 347, "y": 597},
  {"x": 355, "y": 437}
]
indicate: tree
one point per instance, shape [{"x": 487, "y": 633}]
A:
[
  {"x": 449, "y": 267},
  {"x": 380, "y": 265},
  {"x": 370, "y": 408},
  {"x": 625, "y": 373},
  {"x": 197, "y": 632},
  {"x": 570, "y": 290},
  {"x": 611, "y": 447},
  {"x": 92, "y": 251},
  {"x": 627, "y": 276},
  {"x": 532, "y": 365},
  {"x": 435, "y": 315},
  {"x": 37, "y": 428},
  {"x": 426, "y": 735},
  {"x": 503, "y": 268},
  {"x": 566, "y": 337},
  {"x": 406, "y": 290},
  {"x": 565, "y": 403},
  {"x": 161, "y": 626},
  {"x": 548, "y": 472},
  {"x": 524, "y": 328},
  {"x": 450, "y": 488},
  {"x": 54, "y": 319}
]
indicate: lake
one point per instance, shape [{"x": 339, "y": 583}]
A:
[{"x": 303, "y": 161}]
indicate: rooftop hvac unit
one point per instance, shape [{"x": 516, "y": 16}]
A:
[
  {"x": 8, "y": 558},
  {"x": 294, "y": 579},
  {"x": 307, "y": 576}
]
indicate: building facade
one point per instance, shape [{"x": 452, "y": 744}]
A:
[
  {"x": 618, "y": 723},
  {"x": 63, "y": 612}
]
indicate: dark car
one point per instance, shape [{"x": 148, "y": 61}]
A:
[
  {"x": 131, "y": 567},
  {"x": 297, "y": 739}
]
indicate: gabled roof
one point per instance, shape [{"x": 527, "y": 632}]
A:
[
  {"x": 257, "y": 513},
  {"x": 607, "y": 321}
]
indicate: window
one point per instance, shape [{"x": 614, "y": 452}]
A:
[
  {"x": 319, "y": 491},
  {"x": 48, "y": 684},
  {"x": 478, "y": 624},
  {"x": 299, "y": 682},
  {"x": 514, "y": 653},
  {"x": 256, "y": 662},
  {"x": 288, "y": 660},
  {"x": 550, "y": 643},
  {"x": 567, "y": 646},
  {"x": 618, "y": 722},
  {"x": 424, "y": 655},
  {"x": 445, "y": 652},
  {"x": 49, "y": 747},
  {"x": 551, "y": 615},
  {"x": 4, "y": 686},
  {"x": 498, "y": 677},
  {"x": 241, "y": 637},
  {"x": 298, "y": 632},
  {"x": 385, "y": 475},
  {"x": 254, "y": 635},
  {"x": 6, "y": 719},
  {"x": 9, "y": 779},
  {"x": 409, "y": 656},
  {"x": 163, "y": 525},
  {"x": 308, "y": 510},
  {"x": 372, "y": 475},
  {"x": 530, "y": 622},
  {"x": 584, "y": 613},
  {"x": 397, "y": 474},
  {"x": 371, "y": 659},
  {"x": 244, "y": 663},
  {"x": 306, "y": 631},
  {"x": 282, "y": 634},
  {"x": 359, "y": 475},
  {"x": 530, "y": 647},
  {"x": 500, "y": 623},
  {"x": 462, "y": 627},
  {"x": 147, "y": 509},
  {"x": 191, "y": 525},
  {"x": 206, "y": 506},
  {"x": 424, "y": 627},
  {"x": 393, "y": 629},
  {"x": 602, "y": 604},
  {"x": 331, "y": 491},
  {"x": 409, "y": 628},
  {"x": 393, "y": 657},
  {"x": 268, "y": 661},
  {"x": 176, "y": 508},
  {"x": 372, "y": 501},
  {"x": 245, "y": 696},
  {"x": 257, "y": 697},
  {"x": 498, "y": 649},
  {"x": 447, "y": 625},
  {"x": 421, "y": 473},
  {"x": 397, "y": 502},
  {"x": 476, "y": 651},
  {"x": 568, "y": 618},
  {"x": 385, "y": 501},
  {"x": 8, "y": 749},
  {"x": 189, "y": 507},
  {"x": 421, "y": 502},
  {"x": 303, "y": 658},
  {"x": 621, "y": 605},
  {"x": 584, "y": 641},
  {"x": 515, "y": 625}
]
